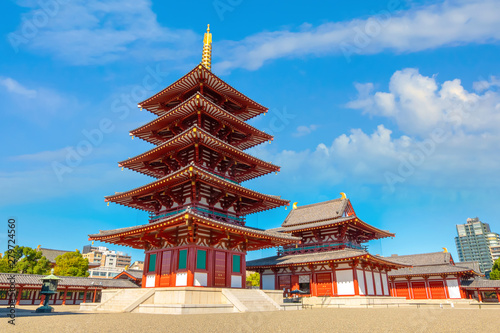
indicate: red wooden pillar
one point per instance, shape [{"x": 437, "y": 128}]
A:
[
  {"x": 314, "y": 291},
  {"x": 427, "y": 288},
  {"x": 159, "y": 259},
  {"x": 85, "y": 296},
  {"x": 93, "y": 298},
  {"x": 211, "y": 268},
  {"x": 191, "y": 264},
  {"x": 364, "y": 280},
  {"x": 65, "y": 294},
  {"x": 446, "y": 292},
  {"x": 276, "y": 284},
  {"x": 260, "y": 278},
  {"x": 33, "y": 297},
  {"x": 355, "y": 278},
  {"x": 243, "y": 271},
  {"x": 479, "y": 295},
  {"x": 410, "y": 288},
  {"x": 498, "y": 295},
  {"x": 145, "y": 270},
  {"x": 334, "y": 279},
  {"x": 18, "y": 299},
  {"x": 381, "y": 282},
  {"x": 229, "y": 268},
  {"x": 42, "y": 298}
]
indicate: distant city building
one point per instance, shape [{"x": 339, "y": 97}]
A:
[
  {"x": 110, "y": 263},
  {"x": 476, "y": 242},
  {"x": 137, "y": 265}
]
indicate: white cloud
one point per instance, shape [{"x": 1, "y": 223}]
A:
[
  {"x": 417, "y": 29},
  {"x": 15, "y": 87},
  {"x": 42, "y": 102},
  {"x": 450, "y": 140},
  {"x": 304, "y": 130},
  {"x": 419, "y": 104},
  {"x": 85, "y": 32}
]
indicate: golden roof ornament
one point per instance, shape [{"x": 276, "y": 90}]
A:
[{"x": 206, "y": 58}]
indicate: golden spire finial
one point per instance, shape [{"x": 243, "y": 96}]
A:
[{"x": 206, "y": 58}]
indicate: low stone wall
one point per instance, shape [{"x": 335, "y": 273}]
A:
[
  {"x": 188, "y": 295},
  {"x": 275, "y": 295},
  {"x": 352, "y": 301}
]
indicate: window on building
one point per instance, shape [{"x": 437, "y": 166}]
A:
[
  {"x": 80, "y": 295},
  {"x": 236, "y": 263},
  {"x": 182, "y": 259},
  {"x": 152, "y": 263},
  {"x": 69, "y": 295},
  {"x": 201, "y": 259},
  {"x": 3, "y": 294}
]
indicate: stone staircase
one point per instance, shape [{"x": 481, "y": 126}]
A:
[
  {"x": 125, "y": 300},
  {"x": 251, "y": 300}
]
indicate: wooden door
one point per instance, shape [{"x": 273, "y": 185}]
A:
[
  {"x": 402, "y": 289},
  {"x": 419, "y": 291},
  {"x": 220, "y": 269},
  {"x": 324, "y": 284},
  {"x": 284, "y": 283},
  {"x": 437, "y": 289},
  {"x": 166, "y": 268}
]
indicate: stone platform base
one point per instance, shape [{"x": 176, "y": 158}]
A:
[
  {"x": 187, "y": 300},
  {"x": 352, "y": 301}
]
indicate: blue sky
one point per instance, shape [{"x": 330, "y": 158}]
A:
[{"x": 395, "y": 103}]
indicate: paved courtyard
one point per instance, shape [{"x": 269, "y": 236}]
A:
[{"x": 404, "y": 319}]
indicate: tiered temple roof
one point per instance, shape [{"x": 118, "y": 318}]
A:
[{"x": 199, "y": 162}]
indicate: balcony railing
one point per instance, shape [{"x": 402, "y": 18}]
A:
[
  {"x": 224, "y": 217},
  {"x": 320, "y": 248}
]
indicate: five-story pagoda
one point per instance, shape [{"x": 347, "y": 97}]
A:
[{"x": 196, "y": 235}]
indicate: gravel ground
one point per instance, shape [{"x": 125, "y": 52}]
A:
[{"x": 458, "y": 319}]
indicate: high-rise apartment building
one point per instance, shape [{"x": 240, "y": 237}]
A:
[
  {"x": 111, "y": 263},
  {"x": 476, "y": 242}
]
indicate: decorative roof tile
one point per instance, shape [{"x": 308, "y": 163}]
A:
[{"x": 320, "y": 211}]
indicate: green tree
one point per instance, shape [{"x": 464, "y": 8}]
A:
[
  {"x": 28, "y": 261},
  {"x": 254, "y": 279},
  {"x": 495, "y": 270},
  {"x": 71, "y": 264}
]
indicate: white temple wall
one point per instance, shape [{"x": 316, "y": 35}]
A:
[
  {"x": 369, "y": 283},
  {"x": 361, "y": 282},
  {"x": 345, "y": 282},
  {"x": 378, "y": 284},
  {"x": 267, "y": 282}
]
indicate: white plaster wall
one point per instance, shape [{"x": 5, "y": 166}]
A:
[
  {"x": 150, "y": 280},
  {"x": 453, "y": 289},
  {"x": 361, "y": 282},
  {"x": 378, "y": 283},
  {"x": 200, "y": 279},
  {"x": 385, "y": 284},
  {"x": 181, "y": 279},
  {"x": 236, "y": 281},
  {"x": 369, "y": 282},
  {"x": 345, "y": 282},
  {"x": 268, "y": 282}
]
